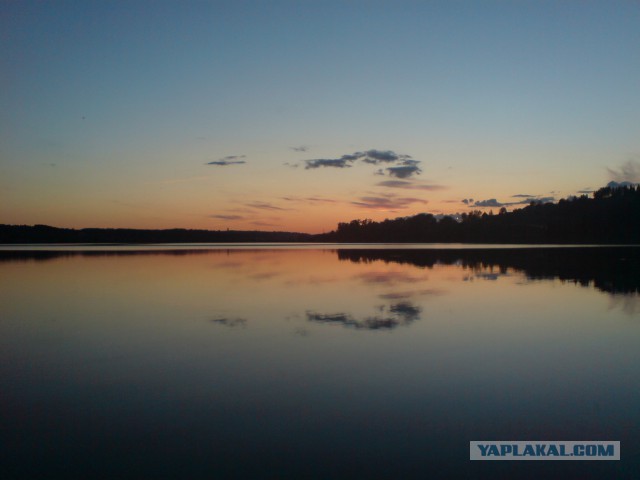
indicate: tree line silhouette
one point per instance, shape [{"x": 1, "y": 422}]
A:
[
  {"x": 611, "y": 216},
  {"x": 47, "y": 234}
]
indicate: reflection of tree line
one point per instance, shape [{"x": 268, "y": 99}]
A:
[{"x": 610, "y": 269}]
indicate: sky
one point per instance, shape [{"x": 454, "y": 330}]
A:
[{"x": 297, "y": 115}]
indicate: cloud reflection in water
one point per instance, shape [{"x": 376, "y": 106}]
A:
[{"x": 399, "y": 314}]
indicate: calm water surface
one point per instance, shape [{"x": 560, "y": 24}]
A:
[{"x": 314, "y": 362}]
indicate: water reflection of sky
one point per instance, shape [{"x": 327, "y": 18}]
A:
[{"x": 239, "y": 361}]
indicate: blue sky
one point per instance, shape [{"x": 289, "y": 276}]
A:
[{"x": 112, "y": 111}]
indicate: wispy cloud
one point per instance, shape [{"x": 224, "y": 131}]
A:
[
  {"x": 387, "y": 202},
  {"x": 526, "y": 199},
  {"x": 409, "y": 185},
  {"x": 627, "y": 172},
  {"x": 410, "y": 293},
  {"x": 172, "y": 181},
  {"x": 230, "y": 160},
  {"x": 301, "y": 148},
  {"x": 387, "y": 278},
  {"x": 228, "y": 217},
  {"x": 265, "y": 224},
  {"x": 264, "y": 206},
  {"x": 493, "y": 202},
  {"x": 310, "y": 200}
]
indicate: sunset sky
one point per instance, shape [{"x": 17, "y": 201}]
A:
[{"x": 298, "y": 115}]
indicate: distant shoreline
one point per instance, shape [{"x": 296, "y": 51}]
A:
[
  {"x": 41, "y": 236},
  {"x": 610, "y": 217},
  {"x": 314, "y": 244}
]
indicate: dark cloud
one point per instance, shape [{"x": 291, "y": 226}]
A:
[
  {"x": 526, "y": 199},
  {"x": 404, "y": 171},
  {"x": 409, "y": 185},
  {"x": 224, "y": 163},
  {"x": 230, "y": 160},
  {"x": 522, "y": 195},
  {"x": 387, "y": 202},
  {"x": 379, "y": 156},
  {"x": 404, "y": 167},
  {"x": 492, "y": 202},
  {"x": 619, "y": 184},
  {"x": 627, "y": 172},
  {"x": 328, "y": 162},
  {"x": 409, "y": 294},
  {"x": 230, "y": 322},
  {"x": 399, "y": 314},
  {"x": 227, "y": 217},
  {"x": 536, "y": 199},
  {"x": 406, "y": 311},
  {"x": 330, "y": 317}
]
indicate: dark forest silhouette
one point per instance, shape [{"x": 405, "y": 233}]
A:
[
  {"x": 47, "y": 234},
  {"x": 611, "y": 216}
]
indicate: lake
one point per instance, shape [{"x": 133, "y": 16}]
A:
[{"x": 314, "y": 361}]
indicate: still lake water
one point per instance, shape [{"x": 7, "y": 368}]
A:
[{"x": 314, "y": 361}]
